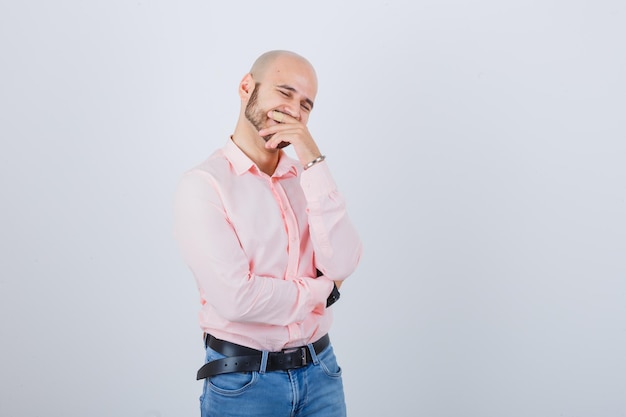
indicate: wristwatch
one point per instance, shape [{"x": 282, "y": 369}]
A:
[{"x": 333, "y": 297}]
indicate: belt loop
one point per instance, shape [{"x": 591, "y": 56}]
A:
[
  {"x": 313, "y": 354},
  {"x": 264, "y": 356}
]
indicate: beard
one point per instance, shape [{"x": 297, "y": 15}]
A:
[{"x": 257, "y": 116}]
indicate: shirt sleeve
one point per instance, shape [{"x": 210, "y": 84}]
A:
[
  {"x": 210, "y": 247},
  {"x": 337, "y": 245}
]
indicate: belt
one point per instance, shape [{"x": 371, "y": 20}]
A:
[{"x": 244, "y": 359}]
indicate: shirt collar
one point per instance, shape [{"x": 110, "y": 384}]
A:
[{"x": 241, "y": 163}]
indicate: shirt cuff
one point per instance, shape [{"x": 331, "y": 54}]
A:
[
  {"x": 321, "y": 288},
  {"x": 317, "y": 182}
]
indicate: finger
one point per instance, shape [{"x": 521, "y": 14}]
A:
[
  {"x": 277, "y": 129},
  {"x": 281, "y": 134},
  {"x": 277, "y": 140},
  {"x": 280, "y": 117}
]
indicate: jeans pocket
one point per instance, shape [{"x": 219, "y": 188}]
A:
[
  {"x": 328, "y": 362},
  {"x": 234, "y": 383},
  {"x": 229, "y": 384}
]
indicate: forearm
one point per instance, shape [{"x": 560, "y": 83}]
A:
[
  {"x": 239, "y": 296},
  {"x": 336, "y": 242}
]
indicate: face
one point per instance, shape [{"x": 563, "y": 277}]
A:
[{"x": 288, "y": 86}]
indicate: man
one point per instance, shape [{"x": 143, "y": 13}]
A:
[{"x": 269, "y": 242}]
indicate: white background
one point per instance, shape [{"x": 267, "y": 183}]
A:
[{"x": 480, "y": 146}]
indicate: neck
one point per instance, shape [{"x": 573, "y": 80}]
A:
[{"x": 248, "y": 140}]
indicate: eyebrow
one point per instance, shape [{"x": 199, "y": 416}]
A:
[{"x": 290, "y": 88}]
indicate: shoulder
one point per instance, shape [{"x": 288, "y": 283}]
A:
[
  {"x": 216, "y": 167},
  {"x": 208, "y": 174}
]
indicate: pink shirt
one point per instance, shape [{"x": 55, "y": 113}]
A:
[{"x": 253, "y": 243}]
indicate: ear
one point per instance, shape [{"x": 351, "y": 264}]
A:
[{"x": 246, "y": 87}]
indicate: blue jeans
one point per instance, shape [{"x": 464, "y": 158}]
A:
[{"x": 315, "y": 390}]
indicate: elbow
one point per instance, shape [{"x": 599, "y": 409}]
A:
[
  {"x": 233, "y": 308},
  {"x": 339, "y": 271},
  {"x": 231, "y": 314},
  {"x": 240, "y": 304}
]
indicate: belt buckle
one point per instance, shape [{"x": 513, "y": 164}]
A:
[
  {"x": 302, "y": 354},
  {"x": 303, "y": 351}
]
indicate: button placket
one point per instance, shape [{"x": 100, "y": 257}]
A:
[{"x": 291, "y": 226}]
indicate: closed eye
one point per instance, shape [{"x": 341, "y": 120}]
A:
[{"x": 287, "y": 91}]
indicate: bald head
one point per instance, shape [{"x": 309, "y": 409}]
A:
[
  {"x": 271, "y": 60},
  {"x": 279, "y": 81}
]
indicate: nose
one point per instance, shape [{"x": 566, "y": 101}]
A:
[{"x": 293, "y": 110}]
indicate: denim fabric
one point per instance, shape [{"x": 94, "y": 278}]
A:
[{"x": 315, "y": 390}]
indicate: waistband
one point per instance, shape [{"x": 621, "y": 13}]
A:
[{"x": 244, "y": 359}]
